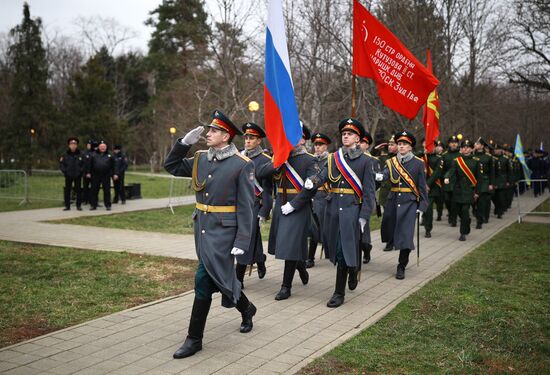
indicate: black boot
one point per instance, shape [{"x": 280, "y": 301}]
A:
[
  {"x": 366, "y": 247},
  {"x": 352, "y": 278},
  {"x": 462, "y": 237},
  {"x": 288, "y": 275},
  {"x": 310, "y": 262},
  {"x": 479, "y": 224},
  {"x": 403, "y": 261},
  {"x": 247, "y": 310},
  {"x": 400, "y": 274},
  {"x": 261, "y": 268},
  {"x": 193, "y": 342},
  {"x": 337, "y": 298},
  {"x": 389, "y": 247},
  {"x": 302, "y": 271},
  {"x": 240, "y": 270},
  {"x": 428, "y": 234}
]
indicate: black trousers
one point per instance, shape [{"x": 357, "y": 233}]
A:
[
  {"x": 404, "y": 257},
  {"x": 86, "y": 189},
  {"x": 69, "y": 183},
  {"x": 119, "y": 189},
  {"x": 103, "y": 181}
]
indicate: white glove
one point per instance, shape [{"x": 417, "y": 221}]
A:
[
  {"x": 379, "y": 177},
  {"x": 261, "y": 219},
  {"x": 287, "y": 208},
  {"x": 193, "y": 136},
  {"x": 237, "y": 251},
  {"x": 362, "y": 223},
  {"x": 308, "y": 184}
]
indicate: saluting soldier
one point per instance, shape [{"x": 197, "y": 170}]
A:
[
  {"x": 253, "y": 135},
  {"x": 448, "y": 158},
  {"x": 350, "y": 204},
  {"x": 320, "y": 148},
  {"x": 502, "y": 180},
  {"x": 434, "y": 169},
  {"x": 223, "y": 181},
  {"x": 72, "y": 166},
  {"x": 466, "y": 173},
  {"x": 385, "y": 188},
  {"x": 366, "y": 243},
  {"x": 291, "y": 220},
  {"x": 485, "y": 183},
  {"x": 408, "y": 197}
]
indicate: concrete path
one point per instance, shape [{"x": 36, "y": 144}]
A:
[
  {"x": 31, "y": 226},
  {"x": 287, "y": 334}
]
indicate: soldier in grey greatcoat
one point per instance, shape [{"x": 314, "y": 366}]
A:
[
  {"x": 292, "y": 212},
  {"x": 320, "y": 146},
  {"x": 263, "y": 202},
  {"x": 349, "y": 205},
  {"x": 408, "y": 196},
  {"x": 366, "y": 243},
  {"x": 223, "y": 180}
]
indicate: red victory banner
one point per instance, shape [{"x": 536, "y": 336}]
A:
[
  {"x": 430, "y": 117},
  {"x": 403, "y": 82}
]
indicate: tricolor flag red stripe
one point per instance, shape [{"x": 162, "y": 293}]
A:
[{"x": 340, "y": 164}]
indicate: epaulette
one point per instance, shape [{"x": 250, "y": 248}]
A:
[
  {"x": 245, "y": 158},
  {"x": 445, "y": 152},
  {"x": 310, "y": 154},
  {"x": 371, "y": 156},
  {"x": 419, "y": 159},
  {"x": 266, "y": 155}
]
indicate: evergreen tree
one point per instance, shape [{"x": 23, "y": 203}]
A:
[{"x": 28, "y": 128}]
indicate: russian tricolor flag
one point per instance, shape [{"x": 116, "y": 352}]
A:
[{"x": 282, "y": 123}]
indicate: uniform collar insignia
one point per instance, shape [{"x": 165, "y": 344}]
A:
[
  {"x": 253, "y": 153},
  {"x": 353, "y": 153},
  {"x": 221, "y": 154}
]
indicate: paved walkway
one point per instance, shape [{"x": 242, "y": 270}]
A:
[{"x": 287, "y": 334}]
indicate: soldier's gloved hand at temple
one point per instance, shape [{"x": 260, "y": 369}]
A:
[
  {"x": 193, "y": 136},
  {"x": 362, "y": 223},
  {"x": 379, "y": 177},
  {"x": 237, "y": 251},
  {"x": 287, "y": 208},
  {"x": 308, "y": 184}
]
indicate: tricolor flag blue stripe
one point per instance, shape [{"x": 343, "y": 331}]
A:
[{"x": 282, "y": 123}]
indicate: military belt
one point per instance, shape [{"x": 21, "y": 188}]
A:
[
  {"x": 401, "y": 190},
  {"x": 208, "y": 208},
  {"x": 288, "y": 191},
  {"x": 342, "y": 191}
]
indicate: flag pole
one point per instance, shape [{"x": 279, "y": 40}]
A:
[{"x": 353, "y": 95}]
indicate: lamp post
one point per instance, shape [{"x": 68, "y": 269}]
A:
[
  {"x": 33, "y": 132},
  {"x": 172, "y": 133},
  {"x": 253, "y": 107}
]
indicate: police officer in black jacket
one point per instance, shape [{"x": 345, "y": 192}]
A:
[
  {"x": 72, "y": 166},
  {"x": 91, "y": 146},
  {"x": 101, "y": 169},
  {"x": 121, "y": 165}
]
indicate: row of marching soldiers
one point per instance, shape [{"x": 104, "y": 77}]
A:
[{"x": 326, "y": 197}]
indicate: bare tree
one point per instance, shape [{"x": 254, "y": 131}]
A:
[{"x": 97, "y": 32}]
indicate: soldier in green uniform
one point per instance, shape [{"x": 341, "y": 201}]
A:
[
  {"x": 434, "y": 167},
  {"x": 439, "y": 200},
  {"x": 448, "y": 158},
  {"x": 385, "y": 186},
  {"x": 503, "y": 175},
  {"x": 485, "y": 184},
  {"x": 466, "y": 172}
]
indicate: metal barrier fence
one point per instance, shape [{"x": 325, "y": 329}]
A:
[
  {"x": 14, "y": 185},
  {"x": 542, "y": 192},
  {"x": 179, "y": 188}
]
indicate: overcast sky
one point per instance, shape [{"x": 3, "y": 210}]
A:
[{"x": 59, "y": 15}]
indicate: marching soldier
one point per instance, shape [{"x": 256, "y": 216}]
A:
[
  {"x": 485, "y": 183},
  {"x": 408, "y": 198},
  {"x": 366, "y": 243},
  {"x": 72, "y": 166},
  {"x": 223, "y": 180},
  {"x": 101, "y": 170},
  {"x": 465, "y": 171},
  {"x": 291, "y": 220},
  {"x": 121, "y": 165},
  {"x": 434, "y": 167},
  {"x": 385, "y": 187},
  {"x": 448, "y": 158},
  {"x": 320, "y": 145},
  {"x": 502, "y": 180},
  {"x": 440, "y": 200},
  {"x": 350, "y": 205},
  {"x": 263, "y": 202}
]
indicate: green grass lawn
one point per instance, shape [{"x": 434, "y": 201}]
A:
[
  {"x": 44, "y": 288},
  {"x": 544, "y": 206},
  {"x": 160, "y": 220},
  {"x": 46, "y": 190},
  {"x": 488, "y": 314}
]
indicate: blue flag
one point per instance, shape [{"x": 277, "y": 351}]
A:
[{"x": 518, "y": 151}]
